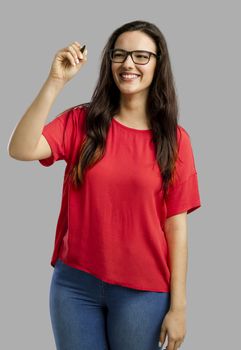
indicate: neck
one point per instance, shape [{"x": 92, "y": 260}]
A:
[{"x": 133, "y": 110}]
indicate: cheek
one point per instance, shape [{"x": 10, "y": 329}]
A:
[{"x": 150, "y": 73}]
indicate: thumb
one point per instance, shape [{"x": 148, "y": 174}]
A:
[{"x": 163, "y": 335}]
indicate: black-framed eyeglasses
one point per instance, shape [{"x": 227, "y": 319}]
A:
[{"x": 138, "y": 56}]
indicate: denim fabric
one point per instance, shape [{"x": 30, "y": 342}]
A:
[{"x": 89, "y": 314}]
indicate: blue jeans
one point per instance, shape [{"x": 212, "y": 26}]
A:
[{"x": 89, "y": 314}]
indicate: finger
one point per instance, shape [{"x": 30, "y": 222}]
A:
[
  {"x": 85, "y": 54},
  {"x": 74, "y": 53},
  {"x": 171, "y": 345},
  {"x": 78, "y": 51},
  {"x": 177, "y": 345},
  {"x": 77, "y": 44},
  {"x": 163, "y": 335},
  {"x": 63, "y": 55},
  {"x": 70, "y": 57}
]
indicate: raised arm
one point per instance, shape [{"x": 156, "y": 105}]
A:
[{"x": 26, "y": 141}]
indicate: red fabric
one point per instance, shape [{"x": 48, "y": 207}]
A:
[{"x": 113, "y": 226}]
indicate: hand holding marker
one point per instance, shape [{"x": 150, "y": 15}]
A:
[{"x": 67, "y": 63}]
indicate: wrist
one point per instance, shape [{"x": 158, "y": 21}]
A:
[
  {"x": 178, "y": 308},
  {"x": 55, "y": 84}
]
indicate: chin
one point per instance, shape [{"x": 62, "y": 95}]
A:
[
  {"x": 133, "y": 91},
  {"x": 129, "y": 89}
]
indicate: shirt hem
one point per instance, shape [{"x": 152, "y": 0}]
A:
[{"x": 107, "y": 280}]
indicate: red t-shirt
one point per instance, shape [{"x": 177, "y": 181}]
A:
[{"x": 113, "y": 226}]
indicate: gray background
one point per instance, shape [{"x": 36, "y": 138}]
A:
[{"x": 203, "y": 38}]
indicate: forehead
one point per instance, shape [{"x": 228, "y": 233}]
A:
[{"x": 135, "y": 40}]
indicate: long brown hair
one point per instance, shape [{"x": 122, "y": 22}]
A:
[{"x": 162, "y": 106}]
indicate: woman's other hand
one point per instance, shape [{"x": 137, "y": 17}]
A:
[{"x": 173, "y": 326}]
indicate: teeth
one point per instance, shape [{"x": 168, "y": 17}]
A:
[{"x": 129, "y": 76}]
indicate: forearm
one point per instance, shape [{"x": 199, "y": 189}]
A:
[
  {"x": 178, "y": 253},
  {"x": 27, "y": 133}
]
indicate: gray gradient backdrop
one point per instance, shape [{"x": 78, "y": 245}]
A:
[{"x": 203, "y": 39}]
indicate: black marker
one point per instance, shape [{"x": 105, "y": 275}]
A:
[{"x": 82, "y": 48}]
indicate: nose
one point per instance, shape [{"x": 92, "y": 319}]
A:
[{"x": 128, "y": 62}]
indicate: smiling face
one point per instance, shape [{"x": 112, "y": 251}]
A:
[{"x": 139, "y": 82}]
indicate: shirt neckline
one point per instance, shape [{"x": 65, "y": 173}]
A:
[{"x": 148, "y": 131}]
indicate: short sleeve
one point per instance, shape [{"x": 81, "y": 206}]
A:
[
  {"x": 60, "y": 134},
  {"x": 184, "y": 193}
]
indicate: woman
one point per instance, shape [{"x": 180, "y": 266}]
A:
[{"x": 120, "y": 253}]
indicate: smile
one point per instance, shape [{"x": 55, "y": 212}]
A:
[{"x": 125, "y": 76}]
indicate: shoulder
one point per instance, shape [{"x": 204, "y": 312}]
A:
[
  {"x": 183, "y": 139},
  {"x": 79, "y": 112},
  {"x": 81, "y": 108},
  {"x": 182, "y": 133},
  {"x": 74, "y": 117},
  {"x": 184, "y": 143}
]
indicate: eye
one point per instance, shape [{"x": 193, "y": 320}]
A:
[
  {"x": 118, "y": 54},
  {"x": 141, "y": 55}
]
